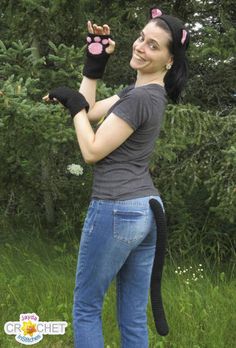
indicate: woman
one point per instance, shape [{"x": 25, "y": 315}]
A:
[{"x": 120, "y": 234}]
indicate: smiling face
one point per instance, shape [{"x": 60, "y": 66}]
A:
[{"x": 150, "y": 50}]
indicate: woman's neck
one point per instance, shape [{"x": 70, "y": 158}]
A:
[{"x": 145, "y": 79}]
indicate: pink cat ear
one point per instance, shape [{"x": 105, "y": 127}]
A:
[
  {"x": 184, "y": 35},
  {"x": 155, "y": 12}
]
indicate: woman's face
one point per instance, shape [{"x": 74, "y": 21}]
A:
[{"x": 150, "y": 50}]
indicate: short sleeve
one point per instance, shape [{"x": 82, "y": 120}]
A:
[{"x": 134, "y": 107}]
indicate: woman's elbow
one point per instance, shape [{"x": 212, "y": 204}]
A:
[
  {"x": 92, "y": 156},
  {"x": 89, "y": 159}
]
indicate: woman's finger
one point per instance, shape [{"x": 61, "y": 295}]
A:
[
  {"x": 106, "y": 29},
  {"x": 95, "y": 28},
  {"x": 90, "y": 27},
  {"x": 47, "y": 99},
  {"x": 111, "y": 48},
  {"x": 99, "y": 30}
]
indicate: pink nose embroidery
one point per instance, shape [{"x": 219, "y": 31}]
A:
[{"x": 156, "y": 13}]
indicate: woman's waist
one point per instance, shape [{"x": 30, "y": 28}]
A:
[{"x": 121, "y": 169}]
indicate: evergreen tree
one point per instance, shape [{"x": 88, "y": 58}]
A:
[
  {"x": 211, "y": 23},
  {"x": 193, "y": 166}
]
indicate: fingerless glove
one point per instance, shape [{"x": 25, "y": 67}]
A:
[
  {"x": 96, "y": 56},
  {"x": 70, "y": 98}
]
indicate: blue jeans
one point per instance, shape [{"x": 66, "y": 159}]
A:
[{"x": 118, "y": 240}]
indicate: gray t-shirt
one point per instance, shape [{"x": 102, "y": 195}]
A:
[{"x": 124, "y": 173}]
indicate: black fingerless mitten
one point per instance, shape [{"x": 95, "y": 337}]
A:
[
  {"x": 97, "y": 56},
  {"x": 70, "y": 98}
]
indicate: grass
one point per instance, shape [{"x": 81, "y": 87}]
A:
[{"x": 38, "y": 276}]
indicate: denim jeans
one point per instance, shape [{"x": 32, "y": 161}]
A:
[{"x": 117, "y": 242}]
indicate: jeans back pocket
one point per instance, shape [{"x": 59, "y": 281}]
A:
[{"x": 129, "y": 226}]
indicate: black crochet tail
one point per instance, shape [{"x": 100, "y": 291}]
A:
[{"x": 156, "y": 298}]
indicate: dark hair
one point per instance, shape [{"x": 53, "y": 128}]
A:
[{"x": 176, "y": 77}]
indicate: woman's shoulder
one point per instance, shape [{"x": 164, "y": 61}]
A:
[
  {"x": 152, "y": 88},
  {"x": 151, "y": 95},
  {"x": 133, "y": 91},
  {"x": 125, "y": 90},
  {"x": 156, "y": 92}
]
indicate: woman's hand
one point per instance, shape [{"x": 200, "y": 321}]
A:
[
  {"x": 73, "y": 100},
  {"x": 102, "y": 30},
  {"x": 47, "y": 99},
  {"x": 99, "y": 48}
]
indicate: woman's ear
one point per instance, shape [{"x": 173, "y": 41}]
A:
[
  {"x": 169, "y": 63},
  {"x": 171, "y": 60}
]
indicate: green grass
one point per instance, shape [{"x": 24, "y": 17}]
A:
[{"x": 37, "y": 276}]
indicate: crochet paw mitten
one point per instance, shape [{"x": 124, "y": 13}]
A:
[
  {"x": 96, "y": 57},
  {"x": 73, "y": 100}
]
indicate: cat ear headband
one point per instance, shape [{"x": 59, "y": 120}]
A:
[{"x": 174, "y": 23}]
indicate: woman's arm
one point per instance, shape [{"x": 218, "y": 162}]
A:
[
  {"x": 88, "y": 89},
  {"x": 96, "y": 109},
  {"x": 101, "y": 108},
  {"x": 109, "y": 136}
]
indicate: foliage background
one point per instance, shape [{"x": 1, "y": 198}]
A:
[
  {"x": 42, "y": 46},
  {"x": 43, "y": 206}
]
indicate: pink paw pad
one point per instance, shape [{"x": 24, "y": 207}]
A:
[
  {"x": 96, "y": 44},
  {"x": 97, "y": 39},
  {"x": 105, "y": 41},
  {"x": 95, "y": 48}
]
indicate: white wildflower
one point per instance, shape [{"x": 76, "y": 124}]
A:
[{"x": 75, "y": 169}]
